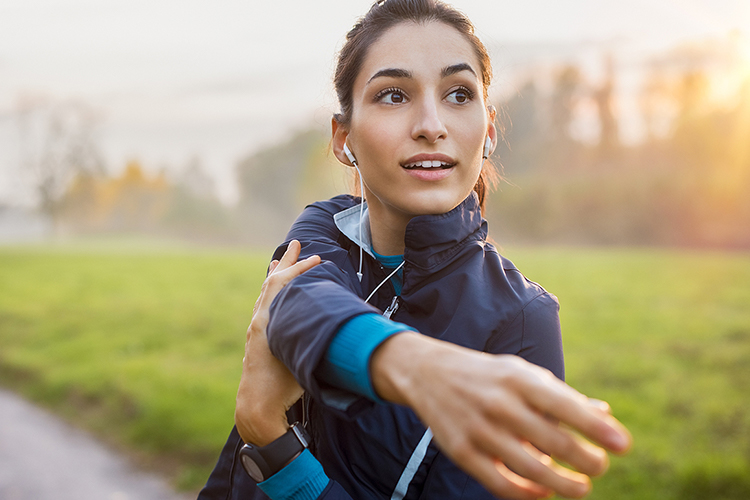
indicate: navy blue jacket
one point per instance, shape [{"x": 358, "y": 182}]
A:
[{"x": 456, "y": 287}]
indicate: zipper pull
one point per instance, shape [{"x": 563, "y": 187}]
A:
[{"x": 391, "y": 310}]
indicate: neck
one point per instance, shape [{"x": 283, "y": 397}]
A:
[{"x": 387, "y": 230}]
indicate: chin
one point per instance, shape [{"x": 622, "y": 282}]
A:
[{"x": 433, "y": 206}]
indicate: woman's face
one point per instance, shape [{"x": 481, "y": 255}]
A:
[{"x": 419, "y": 121}]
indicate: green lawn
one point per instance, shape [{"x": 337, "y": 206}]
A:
[
  {"x": 145, "y": 346},
  {"x": 664, "y": 336}
]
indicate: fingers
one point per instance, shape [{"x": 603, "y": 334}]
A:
[
  {"x": 290, "y": 255},
  {"x": 526, "y": 461},
  {"x": 565, "y": 482},
  {"x": 272, "y": 266},
  {"x": 501, "y": 481},
  {"x": 600, "y": 405},
  {"x": 554, "y": 440},
  {"x": 288, "y": 268},
  {"x": 280, "y": 273},
  {"x": 571, "y": 408}
]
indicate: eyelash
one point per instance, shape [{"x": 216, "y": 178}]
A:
[
  {"x": 393, "y": 90},
  {"x": 469, "y": 93},
  {"x": 390, "y": 90}
]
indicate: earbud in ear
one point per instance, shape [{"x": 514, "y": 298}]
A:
[
  {"x": 350, "y": 155},
  {"x": 487, "y": 146}
]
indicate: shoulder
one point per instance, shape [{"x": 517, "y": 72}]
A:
[
  {"x": 532, "y": 327},
  {"x": 333, "y": 205},
  {"x": 316, "y": 220},
  {"x": 519, "y": 289}
]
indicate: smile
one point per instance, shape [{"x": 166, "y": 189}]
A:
[{"x": 428, "y": 164}]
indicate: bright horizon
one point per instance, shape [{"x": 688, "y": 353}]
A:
[{"x": 174, "y": 81}]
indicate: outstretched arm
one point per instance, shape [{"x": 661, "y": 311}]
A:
[{"x": 492, "y": 414}]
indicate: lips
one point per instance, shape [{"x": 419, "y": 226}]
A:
[
  {"x": 428, "y": 161},
  {"x": 428, "y": 164}
]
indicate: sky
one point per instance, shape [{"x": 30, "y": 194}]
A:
[{"x": 173, "y": 81}]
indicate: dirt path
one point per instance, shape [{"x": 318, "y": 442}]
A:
[{"x": 43, "y": 458}]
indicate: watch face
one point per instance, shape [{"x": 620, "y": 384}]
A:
[{"x": 252, "y": 468}]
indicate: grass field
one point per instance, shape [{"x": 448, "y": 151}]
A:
[{"x": 144, "y": 347}]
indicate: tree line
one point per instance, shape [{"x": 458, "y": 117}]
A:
[{"x": 687, "y": 183}]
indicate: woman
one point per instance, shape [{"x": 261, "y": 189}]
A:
[{"x": 387, "y": 333}]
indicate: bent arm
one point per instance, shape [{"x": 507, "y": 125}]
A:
[
  {"x": 267, "y": 390},
  {"x": 307, "y": 314}
]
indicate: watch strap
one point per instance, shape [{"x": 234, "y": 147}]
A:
[
  {"x": 271, "y": 458},
  {"x": 281, "y": 451}
]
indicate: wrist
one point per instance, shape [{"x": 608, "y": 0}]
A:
[
  {"x": 262, "y": 462},
  {"x": 396, "y": 365},
  {"x": 257, "y": 428}
]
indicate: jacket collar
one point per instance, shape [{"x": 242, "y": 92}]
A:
[
  {"x": 348, "y": 222},
  {"x": 431, "y": 241}
]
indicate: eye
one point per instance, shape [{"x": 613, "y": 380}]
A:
[
  {"x": 391, "y": 96},
  {"x": 460, "y": 96}
]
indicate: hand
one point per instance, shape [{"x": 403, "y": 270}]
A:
[
  {"x": 267, "y": 388},
  {"x": 499, "y": 417}
]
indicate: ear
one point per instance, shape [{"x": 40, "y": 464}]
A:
[
  {"x": 491, "y": 127},
  {"x": 339, "y": 134}
]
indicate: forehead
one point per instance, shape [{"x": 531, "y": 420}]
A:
[{"x": 422, "y": 48}]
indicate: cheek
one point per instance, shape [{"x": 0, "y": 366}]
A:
[{"x": 379, "y": 140}]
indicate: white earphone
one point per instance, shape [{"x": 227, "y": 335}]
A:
[
  {"x": 487, "y": 146},
  {"x": 349, "y": 155}
]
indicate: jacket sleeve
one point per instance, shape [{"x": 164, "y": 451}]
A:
[{"x": 308, "y": 312}]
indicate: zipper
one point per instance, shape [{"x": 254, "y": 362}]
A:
[{"x": 391, "y": 310}]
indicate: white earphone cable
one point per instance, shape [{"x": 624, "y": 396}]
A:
[
  {"x": 361, "y": 217},
  {"x": 384, "y": 281}
]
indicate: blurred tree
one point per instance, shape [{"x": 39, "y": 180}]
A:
[
  {"x": 519, "y": 150},
  {"x": 657, "y": 104},
  {"x": 277, "y": 182},
  {"x": 58, "y": 140},
  {"x": 132, "y": 202},
  {"x": 609, "y": 139},
  {"x": 563, "y": 100},
  {"x": 135, "y": 202},
  {"x": 196, "y": 181},
  {"x": 194, "y": 212}
]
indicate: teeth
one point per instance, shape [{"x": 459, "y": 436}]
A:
[{"x": 426, "y": 164}]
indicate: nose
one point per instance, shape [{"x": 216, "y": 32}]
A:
[{"x": 427, "y": 121}]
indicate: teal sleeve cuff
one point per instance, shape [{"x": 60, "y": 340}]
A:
[
  {"x": 302, "y": 479},
  {"x": 347, "y": 361}
]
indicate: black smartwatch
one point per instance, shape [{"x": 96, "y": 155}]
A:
[{"x": 262, "y": 462}]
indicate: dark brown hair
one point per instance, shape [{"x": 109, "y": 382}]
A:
[{"x": 385, "y": 14}]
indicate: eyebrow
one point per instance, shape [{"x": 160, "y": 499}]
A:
[
  {"x": 391, "y": 72},
  {"x": 456, "y": 68},
  {"x": 402, "y": 73}
]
